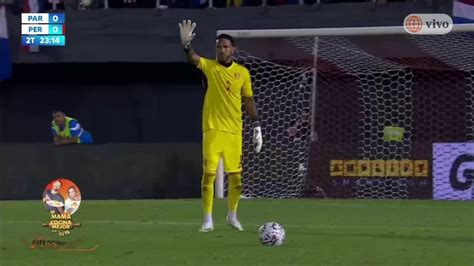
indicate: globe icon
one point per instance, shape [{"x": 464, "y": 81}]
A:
[{"x": 413, "y": 24}]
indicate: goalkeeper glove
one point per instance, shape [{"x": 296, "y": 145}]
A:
[
  {"x": 257, "y": 137},
  {"x": 186, "y": 33}
]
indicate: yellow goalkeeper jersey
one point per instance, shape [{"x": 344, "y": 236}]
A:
[{"x": 223, "y": 101}]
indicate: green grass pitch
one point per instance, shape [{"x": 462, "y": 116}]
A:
[{"x": 318, "y": 232}]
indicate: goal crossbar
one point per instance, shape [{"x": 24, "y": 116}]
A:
[{"x": 349, "y": 31}]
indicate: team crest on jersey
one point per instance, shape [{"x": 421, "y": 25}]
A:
[{"x": 237, "y": 75}]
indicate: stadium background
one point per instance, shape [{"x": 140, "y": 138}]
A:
[
  {"x": 123, "y": 76},
  {"x": 134, "y": 88}
]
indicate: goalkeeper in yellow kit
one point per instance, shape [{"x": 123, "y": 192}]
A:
[{"x": 228, "y": 83}]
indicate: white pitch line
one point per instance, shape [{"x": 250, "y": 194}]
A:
[
  {"x": 368, "y": 205},
  {"x": 257, "y": 225},
  {"x": 468, "y": 206}
]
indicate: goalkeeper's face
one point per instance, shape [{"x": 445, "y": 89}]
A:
[{"x": 224, "y": 50}]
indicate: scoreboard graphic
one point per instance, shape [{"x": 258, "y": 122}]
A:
[{"x": 43, "y": 29}]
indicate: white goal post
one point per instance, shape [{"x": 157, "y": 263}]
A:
[{"x": 313, "y": 32}]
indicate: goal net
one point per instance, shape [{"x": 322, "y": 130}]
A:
[{"x": 354, "y": 112}]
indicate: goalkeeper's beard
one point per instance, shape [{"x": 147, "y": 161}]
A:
[{"x": 224, "y": 60}]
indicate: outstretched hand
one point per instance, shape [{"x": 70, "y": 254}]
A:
[{"x": 186, "y": 28}]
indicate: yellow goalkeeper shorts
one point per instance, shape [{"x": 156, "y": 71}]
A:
[{"x": 219, "y": 144}]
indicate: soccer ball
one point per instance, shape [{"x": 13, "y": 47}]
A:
[{"x": 271, "y": 234}]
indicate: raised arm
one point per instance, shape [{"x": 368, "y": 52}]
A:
[
  {"x": 186, "y": 28},
  {"x": 192, "y": 57}
]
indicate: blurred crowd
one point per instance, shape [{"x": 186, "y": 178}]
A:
[{"x": 93, "y": 4}]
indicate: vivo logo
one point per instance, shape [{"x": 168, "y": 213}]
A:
[{"x": 435, "y": 24}]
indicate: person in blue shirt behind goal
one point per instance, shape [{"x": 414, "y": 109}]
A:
[{"x": 67, "y": 130}]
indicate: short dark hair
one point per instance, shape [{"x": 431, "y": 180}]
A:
[
  {"x": 55, "y": 111},
  {"x": 227, "y": 37}
]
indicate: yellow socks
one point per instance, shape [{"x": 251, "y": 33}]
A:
[
  {"x": 234, "y": 191},
  {"x": 207, "y": 190}
]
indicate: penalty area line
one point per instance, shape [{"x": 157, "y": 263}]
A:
[{"x": 171, "y": 223}]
